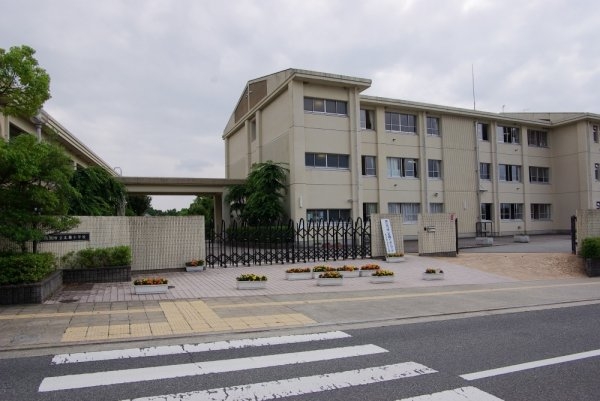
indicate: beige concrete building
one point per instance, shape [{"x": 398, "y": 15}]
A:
[
  {"x": 351, "y": 155},
  {"x": 45, "y": 126}
]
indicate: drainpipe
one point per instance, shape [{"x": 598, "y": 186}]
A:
[{"x": 38, "y": 120}]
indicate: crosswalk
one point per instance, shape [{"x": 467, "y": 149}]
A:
[{"x": 266, "y": 390}]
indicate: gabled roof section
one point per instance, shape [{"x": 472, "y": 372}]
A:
[{"x": 259, "y": 90}]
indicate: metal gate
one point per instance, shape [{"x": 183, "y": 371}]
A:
[
  {"x": 291, "y": 242},
  {"x": 574, "y": 235}
]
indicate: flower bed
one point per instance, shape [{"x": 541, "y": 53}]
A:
[
  {"x": 433, "y": 274},
  {"x": 330, "y": 278},
  {"x": 321, "y": 269},
  {"x": 194, "y": 265},
  {"x": 394, "y": 257},
  {"x": 34, "y": 293},
  {"x": 349, "y": 271},
  {"x": 251, "y": 282},
  {"x": 110, "y": 274},
  {"x": 301, "y": 273},
  {"x": 382, "y": 276},
  {"x": 367, "y": 270},
  {"x": 151, "y": 286}
]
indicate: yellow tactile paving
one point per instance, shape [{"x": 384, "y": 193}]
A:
[
  {"x": 140, "y": 329},
  {"x": 75, "y": 313}
]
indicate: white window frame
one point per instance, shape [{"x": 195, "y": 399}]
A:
[
  {"x": 539, "y": 175},
  {"x": 403, "y": 124},
  {"x": 434, "y": 169},
  {"x": 409, "y": 211},
  {"x": 509, "y": 173},
  {"x": 402, "y": 167},
  {"x": 510, "y": 135},
  {"x": 541, "y": 211},
  {"x": 329, "y": 159},
  {"x": 369, "y": 166},
  {"x": 367, "y": 119},
  {"x": 433, "y": 126},
  {"x": 485, "y": 168},
  {"x": 537, "y": 138},
  {"x": 436, "y": 207},
  {"x": 483, "y": 135},
  {"x": 511, "y": 211},
  {"x": 326, "y": 106}
]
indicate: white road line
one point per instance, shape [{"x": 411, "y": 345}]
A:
[
  {"x": 300, "y": 385},
  {"x": 530, "y": 365},
  {"x": 458, "y": 394},
  {"x": 190, "y": 348},
  {"x": 202, "y": 368}
]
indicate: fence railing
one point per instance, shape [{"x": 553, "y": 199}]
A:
[{"x": 288, "y": 242}]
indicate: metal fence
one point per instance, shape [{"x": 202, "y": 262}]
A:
[{"x": 291, "y": 242}]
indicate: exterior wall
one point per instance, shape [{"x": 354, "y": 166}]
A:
[
  {"x": 377, "y": 242},
  {"x": 237, "y": 154},
  {"x": 588, "y": 225},
  {"x": 156, "y": 243},
  {"x": 287, "y": 132},
  {"x": 437, "y": 234}
]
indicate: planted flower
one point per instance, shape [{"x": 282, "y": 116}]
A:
[
  {"x": 195, "y": 262},
  {"x": 347, "y": 268},
  {"x": 395, "y": 255},
  {"x": 370, "y": 267},
  {"x": 150, "y": 281},
  {"x": 434, "y": 271},
  {"x": 298, "y": 270},
  {"x": 330, "y": 274},
  {"x": 323, "y": 268},
  {"x": 382, "y": 273},
  {"x": 251, "y": 277}
]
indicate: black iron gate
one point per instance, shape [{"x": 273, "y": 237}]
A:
[
  {"x": 291, "y": 242},
  {"x": 574, "y": 235}
]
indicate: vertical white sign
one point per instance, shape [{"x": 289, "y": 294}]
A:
[{"x": 388, "y": 236}]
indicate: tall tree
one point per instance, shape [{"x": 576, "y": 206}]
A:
[
  {"x": 99, "y": 193},
  {"x": 34, "y": 190},
  {"x": 24, "y": 85},
  {"x": 259, "y": 200},
  {"x": 138, "y": 205}
]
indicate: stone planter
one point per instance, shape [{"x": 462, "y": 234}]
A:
[
  {"x": 322, "y": 282},
  {"x": 350, "y": 274},
  {"x": 382, "y": 279},
  {"x": 194, "y": 268},
  {"x": 394, "y": 259},
  {"x": 367, "y": 273},
  {"x": 433, "y": 276},
  {"x": 251, "y": 285},
  {"x": 298, "y": 276},
  {"x": 34, "y": 293},
  {"x": 151, "y": 289},
  {"x": 109, "y": 274},
  {"x": 316, "y": 274},
  {"x": 521, "y": 238},
  {"x": 592, "y": 267}
]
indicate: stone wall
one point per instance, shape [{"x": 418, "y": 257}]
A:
[
  {"x": 164, "y": 242},
  {"x": 377, "y": 242},
  {"x": 437, "y": 234}
]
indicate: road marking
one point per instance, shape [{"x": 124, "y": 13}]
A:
[
  {"x": 191, "y": 348},
  {"x": 530, "y": 365},
  {"x": 458, "y": 394},
  {"x": 202, "y": 368},
  {"x": 300, "y": 385}
]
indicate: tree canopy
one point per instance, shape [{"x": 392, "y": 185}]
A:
[
  {"x": 24, "y": 85},
  {"x": 34, "y": 190},
  {"x": 259, "y": 200},
  {"x": 98, "y": 193}
]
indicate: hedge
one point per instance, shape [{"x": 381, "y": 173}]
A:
[
  {"x": 26, "y": 268},
  {"x": 97, "y": 257}
]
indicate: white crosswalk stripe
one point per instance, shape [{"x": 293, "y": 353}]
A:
[
  {"x": 193, "y": 348},
  {"x": 300, "y": 385},
  {"x": 457, "y": 394}
]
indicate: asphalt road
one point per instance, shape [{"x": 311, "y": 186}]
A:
[{"x": 441, "y": 359}]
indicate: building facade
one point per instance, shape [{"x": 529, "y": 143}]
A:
[
  {"x": 352, "y": 155},
  {"x": 45, "y": 127}
]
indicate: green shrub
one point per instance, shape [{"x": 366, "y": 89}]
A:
[
  {"x": 25, "y": 268},
  {"x": 590, "y": 248},
  {"x": 97, "y": 257}
]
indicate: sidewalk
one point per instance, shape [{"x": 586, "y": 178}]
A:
[{"x": 207, "y": 303}]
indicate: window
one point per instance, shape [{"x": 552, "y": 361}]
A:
[
  {"x": 482, "y": 132},
  {"x": 401, "y": 167},
  {"x": 597, "y": 171},
  {"x": 541, "y": 211},
  {"x": 507, "y": 134},
  {"x": 253, "y": 130},
  {"x": 511, "y": 211},
  {"x": 367, "y": 119},
  {"x": 328, "y": 106},
  {"x": 595, "y": 133},
  {"x": 369, "y": 165},
  {"x": 486, "y": 211},
  {"x": 485, "y": 172},
  {"x": 436, "y": 208},
  {"x": 328, "y": 214},
  {"x": 327, "y": 160},
  {"x": 369, "y": 209},
  {"x": 400, "y": 122},
  {"x": 508, "y": 172},
  {"x": 539, "y": 174},
  {"x": 409, "y": 211},
  {"x": 434, "y": 168},
  {"x": 537, "y": 138},
  {"x": 433, "y": 126}
]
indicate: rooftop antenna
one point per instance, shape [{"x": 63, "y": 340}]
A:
[{"x": 473, "y": 84}]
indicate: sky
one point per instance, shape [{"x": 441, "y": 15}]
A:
[{"x": 149, "y": 85}]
